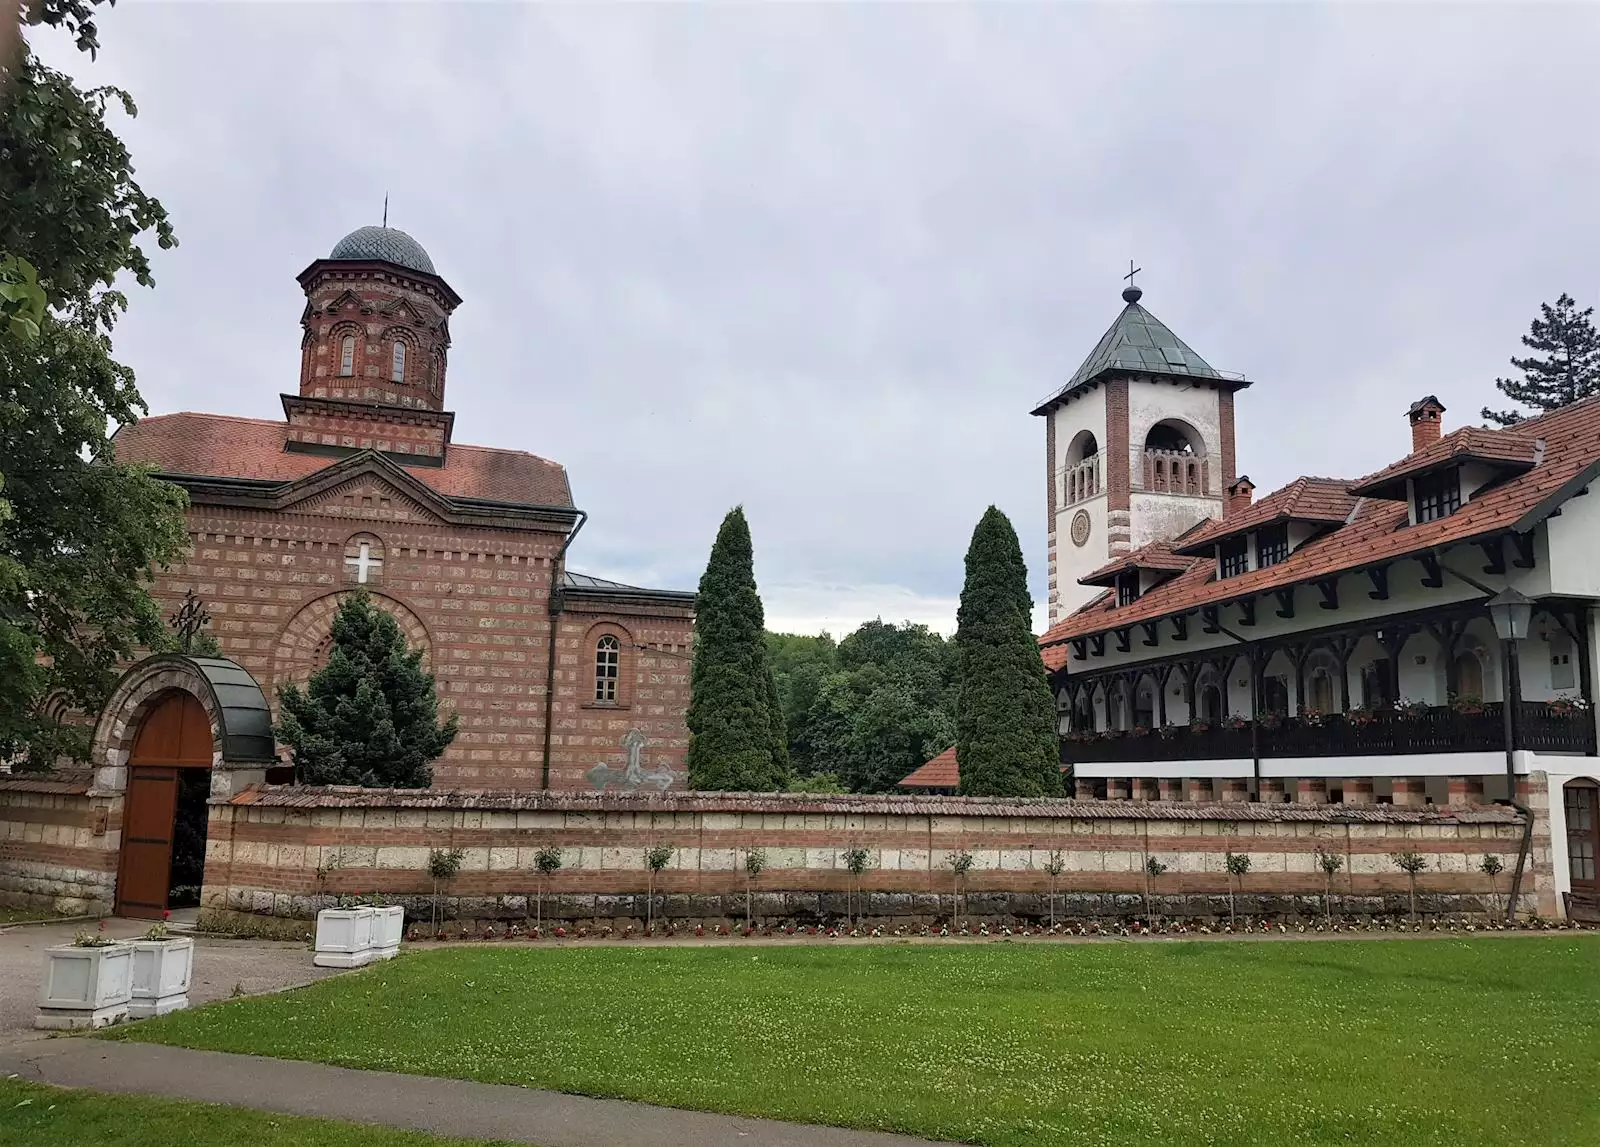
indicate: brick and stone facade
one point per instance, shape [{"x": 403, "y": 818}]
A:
[
  {"x": 361, "y": 486},
  {"x": 266, "y": 846}
]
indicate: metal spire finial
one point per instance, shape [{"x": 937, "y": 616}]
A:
[
  {"x": 1131, "y": 293},
  {"x": 386, "y": 212}
]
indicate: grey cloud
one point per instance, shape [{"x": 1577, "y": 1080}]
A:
[{"x": 821, "y": 260}]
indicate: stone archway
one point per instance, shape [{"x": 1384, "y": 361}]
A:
[
  {"x": 303, "y": 643},
  {"x": 175, "y": 731}
]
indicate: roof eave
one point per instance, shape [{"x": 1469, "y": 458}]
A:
[{"x": 1082, "y": 385}]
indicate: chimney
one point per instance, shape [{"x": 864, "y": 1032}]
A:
[
  {"x": 1424, "y": 415},
  {"x": 1240, "y": 495}
]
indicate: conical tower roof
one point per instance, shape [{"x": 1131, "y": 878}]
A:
[{"x": 1139, "y": 343}]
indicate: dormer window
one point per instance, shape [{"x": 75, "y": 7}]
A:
[
  {"x": 1233, "y": 557},
  {"x": 1272, "y": 545},
  {"x": 1438, "y": 495},
  {"x": 1128, "y": 587}
]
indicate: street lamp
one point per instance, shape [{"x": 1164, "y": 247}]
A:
[{"x": 1512, "y": 612}]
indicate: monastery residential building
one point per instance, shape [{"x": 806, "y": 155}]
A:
[
  {"x": 561, "y": 680},
  {"x": 1332, "y": 641}
]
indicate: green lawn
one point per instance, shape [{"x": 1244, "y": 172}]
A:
[
  {"x": 1492, "y": 1041},
  {"x": 41, "y": 1116}
]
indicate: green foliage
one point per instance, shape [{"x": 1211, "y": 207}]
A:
[
  {"x": 1329, "y": 862},
  {"x": 370, "y": 716},
  {"x": 1410, "y": 863},
  {"x": 1006, "y": 740},
  {"x": 857, "y": 860},
  {"x": 1565, "y": 369},
  {"x": 78, "y": 533},
  {"x": 444, "y": 863},
  {"x": 736, "y": 736},
  {"x": 548, "y": 860},
  {"x": 657, "y": 857},
  {"x": 1154, "y": 867},
  {"x": 1237, "y": 863},
  {"x": 1056, "y": 865},
  {"x": 755, "y": 860},
  {"x": 819, "y": 784},
  {"x": 960, "y": 862},
  {"x": 1491, "y": 866}
]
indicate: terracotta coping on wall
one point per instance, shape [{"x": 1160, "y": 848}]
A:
[
  {"x": 65, "y": 782},
  {"x": 344, "y": 797}
]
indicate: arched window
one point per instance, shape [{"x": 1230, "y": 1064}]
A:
[
  {"x": 1170, "y": 438},
  {"x": 607, "y": 667},
  {"x": 1211, "y": 704},
  {"x": 1469, "y": 677},
  {"x": 347, "y": 356},
  {"x": 398, "y": 373}
]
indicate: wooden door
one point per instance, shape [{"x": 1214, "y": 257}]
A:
[
  {"x": 147, "y": 821},
  {"x": 175, "y": 734},
  {"x": 1582, "y": 806}
]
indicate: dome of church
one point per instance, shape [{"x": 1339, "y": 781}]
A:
[{"x": 383, "y": 243}]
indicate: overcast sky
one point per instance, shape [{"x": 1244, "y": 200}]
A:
[{"x": 823, "y": 260}]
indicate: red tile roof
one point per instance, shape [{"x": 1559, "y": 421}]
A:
[
  {"x": 939, "y": 773},
  {"x": 1377, "y": 531},
  {"x": 1326, "y": 500},
  {"x": 1155, "y": 556},
  {"x": 223, "y": 446},
  {"x": 1514, "y": 448}
]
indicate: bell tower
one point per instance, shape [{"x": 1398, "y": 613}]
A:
[{"x": 1139, "y": 447}]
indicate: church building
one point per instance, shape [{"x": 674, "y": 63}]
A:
[{"x": 561, "y": 680}]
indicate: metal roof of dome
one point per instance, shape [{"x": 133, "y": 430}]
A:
[{"x": 383, "y": 243}]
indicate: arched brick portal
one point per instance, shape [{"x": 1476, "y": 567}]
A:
[
  {"x": 175, "y": 731},
  {"x": 303, "y": 643}
]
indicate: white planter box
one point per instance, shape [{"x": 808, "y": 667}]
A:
[
  {"x": 85, "y": 987},
  {"x": 388, "y": 928},
  {"x": 344, "y": 937},
  {"x": 161, "y": 972}
]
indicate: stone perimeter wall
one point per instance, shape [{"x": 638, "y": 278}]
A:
[
  {"x": 265, "y": 848},
  {"x": 59, "y": 845}
]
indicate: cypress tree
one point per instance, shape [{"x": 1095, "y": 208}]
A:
[
  {"x": 370, "y": 716},
  {"x": 1570, "y": 366},
  {"x": 736, "y": 732},
  {"x": 1006, "y": 740}
]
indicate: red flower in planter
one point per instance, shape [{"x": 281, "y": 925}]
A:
[
  {"x": 560, "y": 933},
  {"x": 699, "y": 929}
]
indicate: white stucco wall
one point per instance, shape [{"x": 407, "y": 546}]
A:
[
  {"x": 1086, "y": 412},
  {"x": 1161, "y": 517},
  {"x": 1572, "y": 542},
  {"x": 1151, "y": 401}
]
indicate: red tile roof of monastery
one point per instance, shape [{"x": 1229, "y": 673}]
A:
[
  {"x": 1325, "y": 500},
  {"x": 1377, "y": 531},
  {"x": 224, "y": 446},
  {"x": 939, "y": 773},
  {"x": 1155, "y": 556},
  {"x": 1475, "y": 443}
]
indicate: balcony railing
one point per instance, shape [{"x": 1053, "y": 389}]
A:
[
  {"x": 1542, "y": 727},
  {"x": 1081, "y": 481}
]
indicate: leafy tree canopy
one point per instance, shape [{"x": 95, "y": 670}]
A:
[
  {"x": 78, "y": 533},
  {"x": 1565, "y": 368},
  {"x": 370, "y": 716}
]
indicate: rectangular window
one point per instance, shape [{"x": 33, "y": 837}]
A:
[
  {"x": 1233, "y": 557},
  {"x": 1438, "y": 495},
  {"x": 1128, "y": 588},
  {"x": 1272, "y": 546}
]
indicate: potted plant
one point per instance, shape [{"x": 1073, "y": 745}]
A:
[
  {"x": 162, "y": 966},
  {"x": 388, "y": 927},
  {"x": 87, "y": 983},
  {"x": 345, "y": 935}
]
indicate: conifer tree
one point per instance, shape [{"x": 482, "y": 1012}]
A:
[
  {"x": 370, "y": 716},
  {"x": 1568, "y": 370},
  {"x": 736, "y": 732},
  {"x": 1006, "y": 740}
]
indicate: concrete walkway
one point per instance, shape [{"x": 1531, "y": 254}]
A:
[
  {"x": 221, "y": 968},
  {"x": 440, "y": 1106}
]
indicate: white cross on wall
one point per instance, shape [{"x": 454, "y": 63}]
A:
[{"x": 364, "y": 563}]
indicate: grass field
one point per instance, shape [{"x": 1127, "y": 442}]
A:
[
  {"x": 52, "y": 1117},
  {"x": 1488, "y": 1041}
]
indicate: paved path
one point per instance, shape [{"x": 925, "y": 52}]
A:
[
  {"x": 220, "y": 966},
  {"x": 440, "y": 1106}
]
